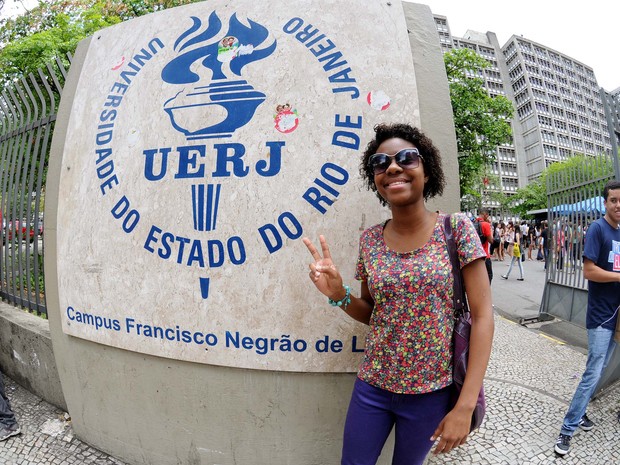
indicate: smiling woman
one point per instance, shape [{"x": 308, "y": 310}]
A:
[
  {"x": 406, "y": 299},
  {"x": 409, "y": 136}
]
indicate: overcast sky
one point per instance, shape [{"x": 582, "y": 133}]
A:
[
  {"x": 13, "y": 8},
  {"x": 586, "y": 32}
]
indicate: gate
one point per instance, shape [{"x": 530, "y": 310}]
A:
[
  {"x": 27, "y": 114},
  {"x": 574, "y": 201}
]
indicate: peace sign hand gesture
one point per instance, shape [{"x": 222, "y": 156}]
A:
[{"x": 323, "y": 272}]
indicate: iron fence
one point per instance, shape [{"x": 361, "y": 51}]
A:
[
  {"x": 574, "y": 201},
  {"x": 27, "y": 115}
]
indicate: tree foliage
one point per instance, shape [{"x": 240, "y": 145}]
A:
[
  {"x": 578, "y": 172},
  {"x": 531, "y": 197},
  {"x": 36, "y": 38},
  {"x": 482, "y": 122},
  {"x": 54, "y": 28}
]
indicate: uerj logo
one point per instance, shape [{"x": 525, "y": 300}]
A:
[
  {"x": 214, "y": 101},
  {"x": 205, "y": 102}
]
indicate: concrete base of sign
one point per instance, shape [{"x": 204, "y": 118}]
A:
[
  {"x": 150, "y": 410},
  {"x": 26, "y": 354}
]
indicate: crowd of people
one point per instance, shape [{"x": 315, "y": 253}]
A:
[
  {"x": 529, "y": 236},
  {"x": 564, "y": 241}
]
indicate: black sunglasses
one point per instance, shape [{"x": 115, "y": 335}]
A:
[{"x": 406, "y": 158}]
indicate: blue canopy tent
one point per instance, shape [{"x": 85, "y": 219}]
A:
[
  {"x": 593, "y": 206},
  {"x": 564, "y": 209}
]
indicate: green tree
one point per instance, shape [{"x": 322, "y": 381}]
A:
[
  {"x": 54, "y": 28},
  {"x": 482, "y": 122},
  {"x": 576, "y": 173},
  {"x": 531, "y": 197},
  {"x": 38, "y": 37}
]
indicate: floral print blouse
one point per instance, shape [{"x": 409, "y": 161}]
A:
[{"x": 408, "y": 346}]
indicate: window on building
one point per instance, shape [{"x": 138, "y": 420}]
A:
[
  {"x": 524, "y": 110},
  {"x": 545, "y": 121},
  {"x": 519, "y": 84},
  {"x": 557, "y": 111},
  {"x": 531, "y": 69},
  {"x": 563, "y": 140},
  {"x": 564, "y": 153},
  {"x": 555, "y": 99},
  {"x": 547, "y": 136}
]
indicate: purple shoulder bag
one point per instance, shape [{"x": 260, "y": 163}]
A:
[{"x": 462, "y": 329}]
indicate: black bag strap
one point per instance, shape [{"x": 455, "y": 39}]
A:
[{"x": 459, "y": 302}]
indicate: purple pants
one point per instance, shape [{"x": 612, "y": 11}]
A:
[{"x": 374, "y": 411}]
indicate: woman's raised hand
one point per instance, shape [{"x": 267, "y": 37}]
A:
[{"x": 323, "y": 272}]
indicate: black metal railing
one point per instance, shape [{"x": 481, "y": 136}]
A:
[{"x": 27, "y": 116}]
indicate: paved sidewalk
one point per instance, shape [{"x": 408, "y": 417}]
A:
[
  {"x": 531, "y": 379},
  {"x": 47, "y": 436}
]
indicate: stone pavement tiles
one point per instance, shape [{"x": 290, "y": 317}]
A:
[
  {"x": 530, "y": 381},
  {"x": 47, "y": 436}
]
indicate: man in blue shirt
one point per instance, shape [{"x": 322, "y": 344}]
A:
[{"x": 601, "y": 267}]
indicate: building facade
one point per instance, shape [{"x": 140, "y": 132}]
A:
[
  {"x": 558, "y": 106},
  {"x": 560, "y": 110},
  {"x": 611, "y": 102}
]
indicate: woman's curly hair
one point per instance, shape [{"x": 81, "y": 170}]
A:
[{"x": 432, "y": 159}]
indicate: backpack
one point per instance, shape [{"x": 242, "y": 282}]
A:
[{"x": 478, "y": 226}]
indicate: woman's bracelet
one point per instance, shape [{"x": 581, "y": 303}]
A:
[{"x": 346, "y": 300}]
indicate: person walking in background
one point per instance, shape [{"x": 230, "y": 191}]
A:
[
  {"x": 531, "y": 240},
  {"x": 485, "y": 227},
  {"x": 546, "y": 240},
  {"x": 502, "y": 232},
  {"x": 560, "y": 245},
  {"x": 524, "y": 231},
  {"x": 601, "y": 267},
  {"x": 576, "y": 236},
  {"x": 509, "y": 239},
  {"x": 539, "y": 243},
  {"x": 8, "y": 422},
  {"x": 405, "y": 378},
  {"x": 495, "y": 245},
  {"x": 516, "y": 257}
]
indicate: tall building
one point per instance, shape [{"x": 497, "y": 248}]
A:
[
  {"x": 559, "y": 109},
  {"x": 611, "y": 102},
  {"x": 558, "y": 103}
]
